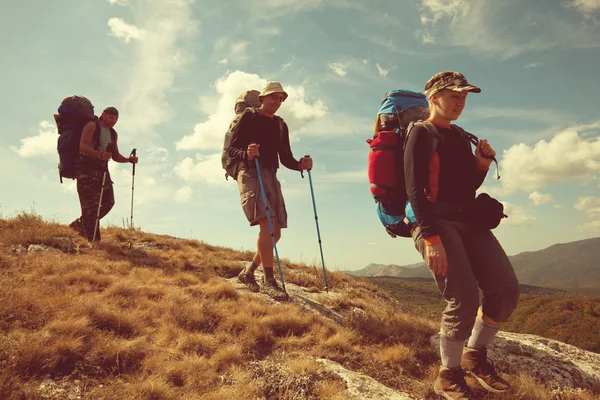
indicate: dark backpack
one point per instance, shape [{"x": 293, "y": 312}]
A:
[
  {"x": 400, "y": 110},
  {"x": 246, "y": 100},
  {"x": 73, "y": 114}
]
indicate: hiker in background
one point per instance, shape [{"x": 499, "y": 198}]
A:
[
  {"x": 264, "y": 135},
  {"x": 461, "y": 254},
  {"x": 97, "y": 147}
]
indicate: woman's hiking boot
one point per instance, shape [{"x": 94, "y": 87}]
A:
[
  {"x": 249, "y": 281},
  {"x": 477, "y": 364},
  {"x": 271, "y": 288},
  {"x": 451, "y": 384}
]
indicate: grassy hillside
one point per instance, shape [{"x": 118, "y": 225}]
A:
[
  {"x": 571, "y": 316},
  {"x": 160, "y": 321}
]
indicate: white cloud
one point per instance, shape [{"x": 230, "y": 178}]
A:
[
  {"x": 593, "y": 226},
  {"x": 183, "y": 194},
  {"x": 517, "y": 215},
  {"x": 119, "y": 2},
  {"x": 589, "y": 205},
  {"x": 157, "y": 59},
  {"x": 268, "y": 31},
  {"x": 437, "y": 9},
  {"x": 209, "y": 134},
  {"x": 382, "y": 71},
  {"x": 204, "y": 169},
  {"x": 481, "y": 27},
  {"x": 540, "y": 198},
  {"x": 43, "y": 144},
  {"x": 532, "y": 65},
  {"x": 223, "y": 61},
  {"x": 586, "y": 6},
  {"x": 158, "y": 154},
  {"x": 567, "y": 157},
  {"x": 340, "y": 69},
  {"x": 123, "y": 30},
  {"x": 425, "y": 36},
  {"x": 234, "y": 52}
]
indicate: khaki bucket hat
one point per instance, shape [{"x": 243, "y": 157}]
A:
[
  {"x": 270, "y": 88},
  {"x": 449, "y": 80}
]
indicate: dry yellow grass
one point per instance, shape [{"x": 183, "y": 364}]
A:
[{"x": 159, "y": 322}]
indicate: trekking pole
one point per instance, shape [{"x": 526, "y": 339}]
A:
[
  {"x": 133, "y": 152},
  {"x": 99, "y": 204},
  {"x": 312, "y": 193},
  {"x": 264, "y": 196}
]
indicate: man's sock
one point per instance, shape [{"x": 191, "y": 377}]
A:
[
  {"x": 268, "y": 272},
  {"x": 250, "y": 268},
  {"x": 451, "y": 350},
  {"x": 482, "y": 334}
]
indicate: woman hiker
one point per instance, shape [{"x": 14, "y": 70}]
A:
[{"x": 462, "y": 255}]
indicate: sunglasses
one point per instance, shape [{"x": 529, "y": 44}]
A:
[{"x": 278, "y": 97}]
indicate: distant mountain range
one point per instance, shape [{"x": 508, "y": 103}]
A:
[{"x": 565, "y": 265}]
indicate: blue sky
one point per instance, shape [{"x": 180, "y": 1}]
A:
[{"x": 174, "y": 68}]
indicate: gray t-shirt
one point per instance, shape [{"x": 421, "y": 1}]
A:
[{"x": 105, "y": 138}]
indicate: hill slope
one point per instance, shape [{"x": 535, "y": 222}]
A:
[
  {"x": 567, "y": 315},
  {"x": 564, "y": 265},
  {"x": 162, "y": 321}
]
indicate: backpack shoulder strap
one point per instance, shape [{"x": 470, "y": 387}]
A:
[
  {"x": 281, "y": 125},
  {"x": 474, "y": 140},
  {"x": 434, "y": 136}
]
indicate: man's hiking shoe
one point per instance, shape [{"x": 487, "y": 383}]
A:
[
  {"x": 477, "y": 364},
  {"x": 77, "y": 226},
  {"x": 248, "y": 280},
  {"x": 451, "y": 384},
  {"x": 271, "y": 288}
]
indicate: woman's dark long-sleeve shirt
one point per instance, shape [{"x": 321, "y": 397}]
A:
[
  {"x": 450, "y": 175},
  {"x": 274, "y": 142}
]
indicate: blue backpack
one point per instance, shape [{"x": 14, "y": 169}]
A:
[
  {"x": 73, "y": 114},
  {"x": 400, "y": 110}
]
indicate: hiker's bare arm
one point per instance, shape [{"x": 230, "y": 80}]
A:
[
  {"x": 86, "y": 145},
  {"x": 116, "y": 154}
]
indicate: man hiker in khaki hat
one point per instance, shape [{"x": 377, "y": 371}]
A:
[
  {"x": 263, "y": 134},
  {"x": 98, "y": 146}
]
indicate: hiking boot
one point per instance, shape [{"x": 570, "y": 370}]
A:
[
  {"x": 271, "y": 288},
  {"x": 249, "y": 280},
  {"x": 77, "y": 226},
  {"x": 451, "y": 384},
  {"x": 477, "y": 364}
]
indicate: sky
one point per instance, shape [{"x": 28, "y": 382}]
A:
[{"x": 174, "y": 68}]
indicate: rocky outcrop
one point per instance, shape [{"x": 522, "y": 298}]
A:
[
  {"x": 557, "y": 365},
  {"x": 362, "y": 387}
]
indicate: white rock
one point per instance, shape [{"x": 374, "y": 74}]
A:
[
  {"x": 556, "y": 364},
  {"x": 361, "y": 386}
]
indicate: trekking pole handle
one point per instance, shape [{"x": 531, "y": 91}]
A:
[
  {"x": 133, "y": 153},
  {"x": 307, "y": 156},
  {"x": 302, "y": 172}
]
